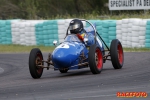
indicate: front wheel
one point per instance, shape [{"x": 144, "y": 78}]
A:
[
  {"x": 95, "y": 59},
  {"x": 116, "y": 53},
  {"x": 35, "y": 61}
]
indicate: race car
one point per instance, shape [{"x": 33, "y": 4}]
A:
[{"x": 74, "y": 53}]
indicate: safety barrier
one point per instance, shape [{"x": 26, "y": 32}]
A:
[
  {"x": 23, "y": 32},
  {"x": 133, "y": 32},
  {"x": 46, "y": 32},
  {"x": 147, "y": 35},
  {"x": 5, "y": 32}
]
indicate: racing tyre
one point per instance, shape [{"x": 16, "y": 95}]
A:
[
  {"x": 35, "y": 59},
  {"x": 63, "y": 70},
  {"x": 95, "y": 59},
  {"x": 116, "y": 53}
]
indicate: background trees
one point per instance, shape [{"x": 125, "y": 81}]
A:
[{"x": 35, "y": 9}]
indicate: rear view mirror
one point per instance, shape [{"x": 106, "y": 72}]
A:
[{"x": 55, "y": 42}]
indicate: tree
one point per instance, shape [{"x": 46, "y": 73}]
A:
[{"x": 32, "y": 9}]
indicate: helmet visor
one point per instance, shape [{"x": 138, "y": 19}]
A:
[{"x": 73, "y": 27}]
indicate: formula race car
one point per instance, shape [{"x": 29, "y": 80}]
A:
[{"x": 74, "y": 53}]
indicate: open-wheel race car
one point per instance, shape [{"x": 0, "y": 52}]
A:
[{"x": 76, "y": 53}]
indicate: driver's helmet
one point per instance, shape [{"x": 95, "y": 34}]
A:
[{"x": 76, "y": 26}]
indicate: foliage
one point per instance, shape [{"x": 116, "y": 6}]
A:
[
  {"x": 62, "y": 9},
  {"x": 34, "y": 9}
]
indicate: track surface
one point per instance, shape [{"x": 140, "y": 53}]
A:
[{"x": 17, "y": 84}]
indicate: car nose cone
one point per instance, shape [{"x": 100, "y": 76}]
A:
[
  {"x": 64, "y": 57},
  {"x": 60, "y": 60}
]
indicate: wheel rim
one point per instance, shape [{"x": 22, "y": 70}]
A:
[
  {"x": 98, "y": 58},
  {"x": 120, "y": 54},
  {"x": 39, "y": 59}
]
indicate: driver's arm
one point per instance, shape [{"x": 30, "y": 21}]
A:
[
  {"x": 80, "y": 37},
  {"x": 91, "y": 39}
]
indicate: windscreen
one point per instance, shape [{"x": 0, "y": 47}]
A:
[{"x": 72, "y": 38}]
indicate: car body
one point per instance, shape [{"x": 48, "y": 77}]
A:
[{"x": 76, "y": 54}]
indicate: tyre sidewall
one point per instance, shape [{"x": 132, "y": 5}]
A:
[
  {"x": 32, "y": 63},
  {"x": 92, "y": 63},
  {"x": 114, "y": 54}
]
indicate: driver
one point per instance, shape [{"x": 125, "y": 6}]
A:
[{"x": 76, "y": 27}]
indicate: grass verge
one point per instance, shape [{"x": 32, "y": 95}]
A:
[
  {"x": 23, "y": 49},
  {"x": 27, "y": 49},
  {"x": 136, "y": 49}
]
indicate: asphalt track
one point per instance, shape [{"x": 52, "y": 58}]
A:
[{"x": 17, "y": 84}]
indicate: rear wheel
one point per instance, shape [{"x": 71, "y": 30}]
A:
[
  {"x": 117, "y": 55},
  {"x": 35, "y": 59},
  {"x": 95, "y": 59}
]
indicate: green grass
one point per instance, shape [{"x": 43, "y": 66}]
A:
[
  {"x": 20, "y": 48},
  {"x": 136, "y": 49},
  {"x": 27, "y": 49},
  {"x": 106, "y": 15}
]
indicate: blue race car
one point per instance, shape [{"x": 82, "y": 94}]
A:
[{"x": 77, "y": 53}]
